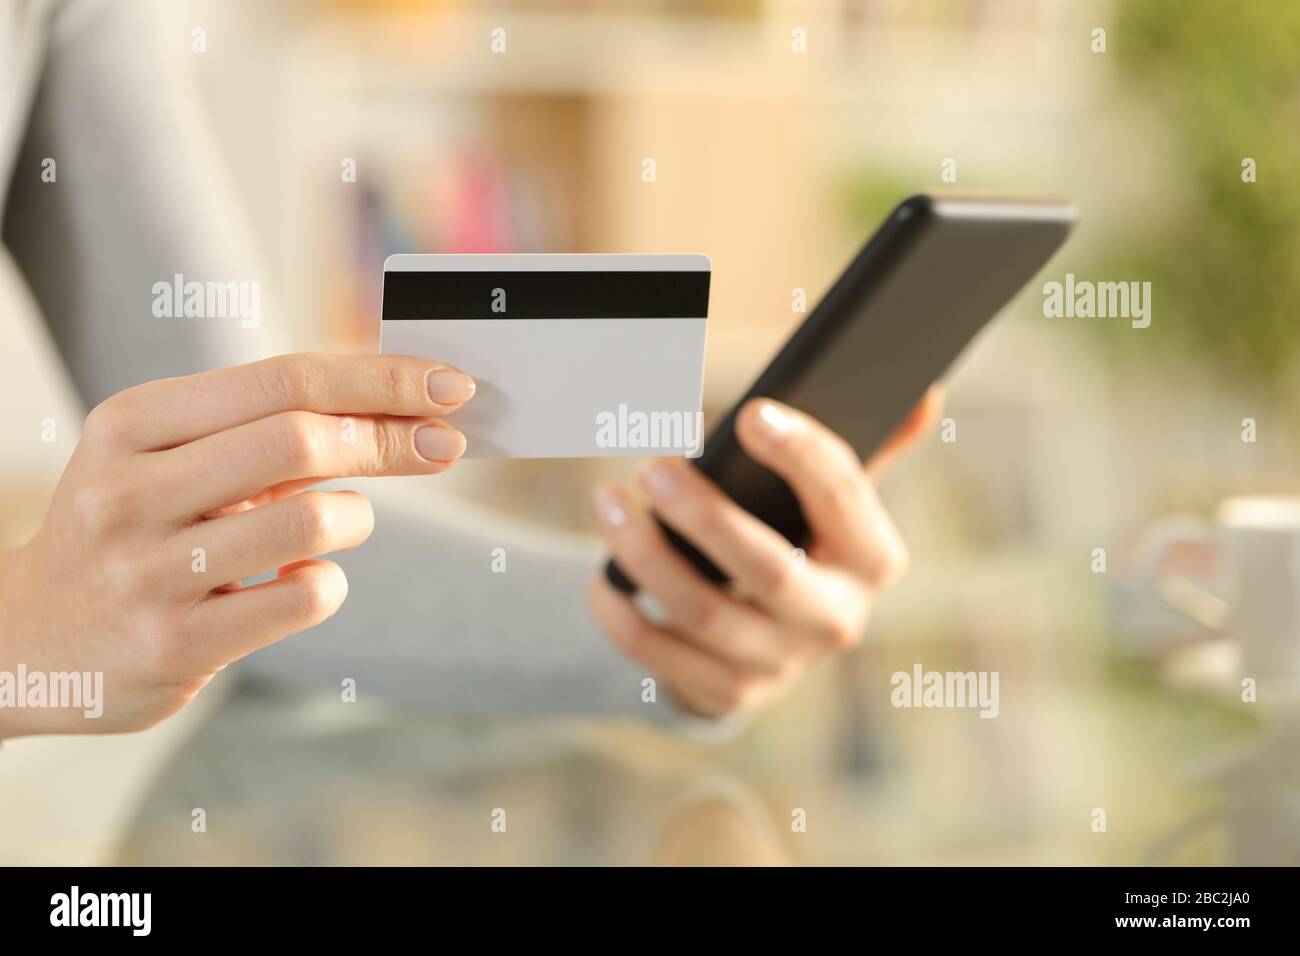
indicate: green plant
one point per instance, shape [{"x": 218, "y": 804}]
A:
[{"x": 1224, "y": 263}]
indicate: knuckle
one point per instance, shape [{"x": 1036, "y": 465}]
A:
[
  {"x": 123, "y": 576},
  {"x": 627, "y": 629},
  {"x": 732, "y": 645},
  {"x": 703, "y": 616},
  {"x": 773, "y": 575},
  {"x": 752, "y": 693},
  {"x": 107, "y": 420},
  {"x": 843, "y": 454},
  {"x": 101, "y": 507},
  {"x": 632, "y": 636},
  {"x": 97, "y": 421},
  {"x": 738, "y": 694},
  {"x": 286, "y": 381},
  {"x": 900, "y": 561},
  {"x": 314, "y": 599},
  {"x": 295, "y": 442},
  {"x": 388, "y": 448},
  {"x": 786, "y": 672},
  {"x": 310, "y": 522},
  {"x": 631, "y": 633},
  {"x": 891, "y": 566},
  {"x": 844, "y": 632},
  {"x": 727, "y": 700}
]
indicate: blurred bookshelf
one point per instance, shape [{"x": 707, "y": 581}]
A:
[
  {"x": 539, "y": 148},
  {"x": 763, "y": 157}
]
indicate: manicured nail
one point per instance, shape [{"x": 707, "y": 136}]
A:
[
  {"x": 660, "y": 479},
  {"x": 774, "y": 422},
  {"x": 609, "y": 506},
  {"x": 449, "y": 388},
  {"x": 435, "y": 443}
]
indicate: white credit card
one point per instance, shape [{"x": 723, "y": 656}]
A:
[{"x": 575, "y": 356}]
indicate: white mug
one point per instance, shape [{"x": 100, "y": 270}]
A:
[{"x": 1255, "y": 598}]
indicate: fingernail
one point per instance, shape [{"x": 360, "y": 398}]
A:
[
  {"x": 609, "y": 506},
  {"x": 659, "y": 480},
  {"x": 449, "y": 388},
  {"x": 434, "y": 443},
  {"x": 774, "y": 422}
]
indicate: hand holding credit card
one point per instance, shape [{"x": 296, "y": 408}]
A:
[{"x": 574, "y": 355}]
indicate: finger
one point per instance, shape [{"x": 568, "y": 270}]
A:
[
  {"x": 263, "y": 539},
  {"x": 705, "y": 683},
  {"x": 170, "y": 412},
  {"x": 700, "y": 613},
  {"x": 230, "y": 466},
  {"x": 229, "y": 625},
  {"x": 761, "y": 564},
  {"x": 849, "y": 525},
  {"x": 920, "y": 420}
]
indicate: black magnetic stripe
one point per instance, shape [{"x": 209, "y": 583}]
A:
[{"x": 546, "y": 295}]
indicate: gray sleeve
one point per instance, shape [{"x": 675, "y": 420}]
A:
[{"x": 140, "y": 195}]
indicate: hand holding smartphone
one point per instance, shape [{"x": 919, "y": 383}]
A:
[{"x": 936, "y": 271}]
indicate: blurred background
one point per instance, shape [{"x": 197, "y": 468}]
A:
[{"x": 1072, "y": 434}]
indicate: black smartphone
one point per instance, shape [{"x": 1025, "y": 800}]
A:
[{"x": 937, "y": 270}]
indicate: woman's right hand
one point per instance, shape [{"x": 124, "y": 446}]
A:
[{"x": 178, "y": 490}]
